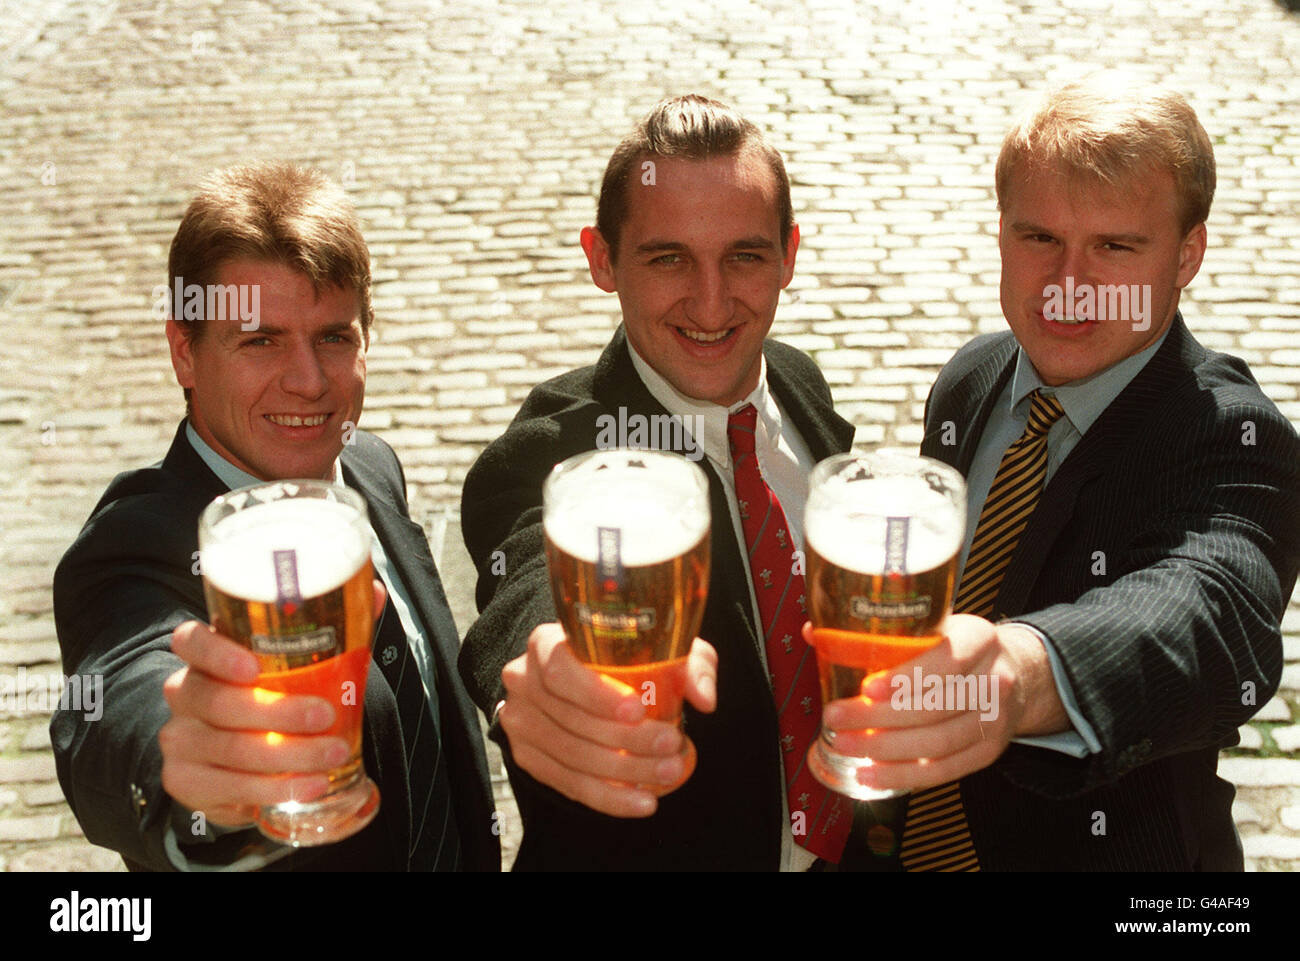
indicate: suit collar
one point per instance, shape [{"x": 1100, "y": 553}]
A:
[{"x": 824, "y": 431}]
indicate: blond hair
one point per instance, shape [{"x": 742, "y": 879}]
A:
[{"x": 1110, "y": 130}]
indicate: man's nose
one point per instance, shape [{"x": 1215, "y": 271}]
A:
[
  {"x": 711, "y": 304},
  {"x": 303, "y": 374},
  {"x": 1073, "y": 264}
]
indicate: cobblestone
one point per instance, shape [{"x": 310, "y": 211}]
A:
[{"x": 473, "y": 144}]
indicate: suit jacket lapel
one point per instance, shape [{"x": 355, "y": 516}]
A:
[
  {"x": 976, "y": 392},
  {"x": 1095, "y": 450},
  {"x": 617, "y": 384},
  {"x": 824, "y": 431}
]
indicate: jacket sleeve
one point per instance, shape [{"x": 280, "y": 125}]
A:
[
  {"x": 1180, "y": 644},
  {"x": 122, "y": 587}
]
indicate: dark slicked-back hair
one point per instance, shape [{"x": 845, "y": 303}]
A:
[
  {"x": 276, "y": 213},
  {"x": 690, "y": 127}
]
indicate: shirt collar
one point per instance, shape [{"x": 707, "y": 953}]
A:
[
  {"x": 230, "y": 475},
  {"x": 1086, "y": 399},
  {"x": 709, "y": 416}
]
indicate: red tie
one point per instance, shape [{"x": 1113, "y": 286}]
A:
[{"x": 791, "y": 663}]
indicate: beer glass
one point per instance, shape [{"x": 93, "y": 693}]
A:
[
  {"x": 627, "y": 547},
  {"x": 287, "y": 573},
  {"x": 883, "y": 532}
]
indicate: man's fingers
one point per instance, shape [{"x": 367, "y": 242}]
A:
[
  {"x": 201, "y": 786},
  {"x": 702, "y": 676},
  {"x": 187, "y": 739},
  {"x": 649, "y": 738},
  {"x": 618, "y": 800},
  {"x": 191, "y": 693},
  {"x": 932, "y": 741},
  {"x": 524, "y": 724},
  {"x": 927, "y": 772},
  {"x": 214, "y": 654},
  {"x": 552, "y": 664}
]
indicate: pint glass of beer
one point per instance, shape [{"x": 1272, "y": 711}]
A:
[
  {"x": 287, "y": 573},
  {"x": 883, "y": 532},
  {"x": 627, "y": 547}
]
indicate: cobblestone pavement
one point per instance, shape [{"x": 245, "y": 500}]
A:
[{"x": 472, "y": 136}]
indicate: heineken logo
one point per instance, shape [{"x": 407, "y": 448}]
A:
[
  {"x": 318, "y": 641},
  {"x": 867, "y": 608},
  {"x": 635, "y": 621}
]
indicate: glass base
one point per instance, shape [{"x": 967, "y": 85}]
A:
[
  {"x": 839, "y": 773},
  {"x": 334, "y": 817}
]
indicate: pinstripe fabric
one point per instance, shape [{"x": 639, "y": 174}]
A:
[
  {"x": 1158, "y": 564},
  {"x": 936, "y": 836}
]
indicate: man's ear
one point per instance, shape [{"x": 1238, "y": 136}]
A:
[
  {"x": 182, "y": 351},
  {"x": 787, "y": 256},
  {"x": 1190, "y": 255},
  {"x": 598, "y": 259}
]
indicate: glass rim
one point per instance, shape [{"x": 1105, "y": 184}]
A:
[
  {"x": 569, "y": 465},
  {"x": 831, "y": 465},
  {"x": 323, "y": 490}
]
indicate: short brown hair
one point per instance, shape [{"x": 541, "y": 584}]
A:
[
  {"x": 277, "y": 213},
  {"x": 1109, "y": 130},
  {"x": 695, "y": 128}
]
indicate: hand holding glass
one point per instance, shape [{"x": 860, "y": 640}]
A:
[
  {"x": 627, "y": 546},
  {"x": 287, "y": 573},
  {"x": 883, "y": 534}
]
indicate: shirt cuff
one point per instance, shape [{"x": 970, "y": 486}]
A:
[
  {"x": 218, "y": 848},
  {"x": 1079, "y": 742}
]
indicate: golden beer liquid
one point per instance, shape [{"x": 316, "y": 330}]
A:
[
  {"x": 319, "y": 646},
  {"x": 866, "y": 624},
  {"x": 640, "y": 632}
]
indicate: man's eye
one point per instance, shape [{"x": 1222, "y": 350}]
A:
[
  {"x": 257, "y": 341},
  {"x": 667, "y": 259},
  {"x": 1041, "y": 238},
  {"x": 746, "y": 257},
  {"x": 1115, "y": 246}
]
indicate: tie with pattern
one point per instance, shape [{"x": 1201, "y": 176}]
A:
[
  {"x": 435, "y": 840},
  {"x": 790, "y": 662},
  {"x": 936, "y": 836}
]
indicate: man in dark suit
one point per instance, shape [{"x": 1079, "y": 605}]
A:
[
  {"x": 696, "y": 235},
  {"x": 1129, "y": 603},
  {"x": 172, "y": 772}
]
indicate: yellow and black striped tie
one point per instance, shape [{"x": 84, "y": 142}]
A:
[{"x": 936, "y": 836}]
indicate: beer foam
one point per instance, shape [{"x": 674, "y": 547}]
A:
[
  {"x": 652, "y": 529},
  {"x": 846, "y": 523},
  {"x": 327, "y": 546}
]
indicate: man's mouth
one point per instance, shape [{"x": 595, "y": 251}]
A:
[
  {"x": 1068, "y": 321},
  {"x": 703, "y": 337},
  {"x": 295, "y": 420}
]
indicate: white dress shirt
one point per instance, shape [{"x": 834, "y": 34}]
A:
[{"x": 785, "y": 463}]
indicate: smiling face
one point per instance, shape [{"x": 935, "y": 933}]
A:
[
  {"x": 1053, "y": 228},
  {"x": 274, "y": 401},
  {"x": 699, "y": 270}
]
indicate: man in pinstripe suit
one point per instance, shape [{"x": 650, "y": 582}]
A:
[{"x": 1132, "y": 617}]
